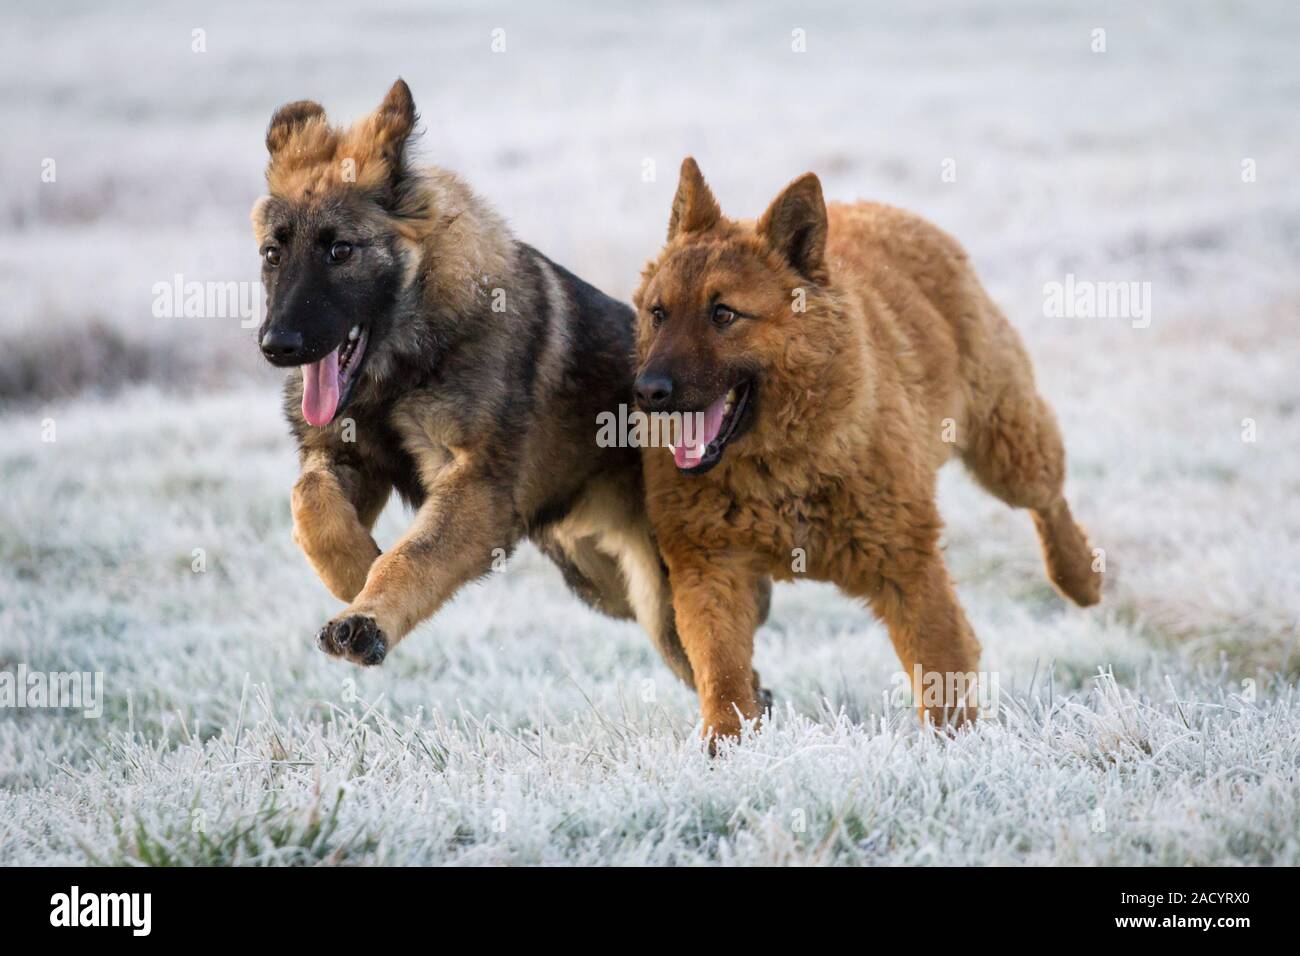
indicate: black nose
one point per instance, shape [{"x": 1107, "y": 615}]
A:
[
  {"x": 281, "y": 345},
  {"x": 653, "y": 390}
]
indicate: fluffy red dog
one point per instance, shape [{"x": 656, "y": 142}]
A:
[{"x": 837, "y": 358}]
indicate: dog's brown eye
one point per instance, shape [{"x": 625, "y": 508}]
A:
[
  {"x": 340, "y": 251},
  {"x": 722, "y": 316},
  {"x": 657, "y": 316},
  {"x": 272, "y": 255}
]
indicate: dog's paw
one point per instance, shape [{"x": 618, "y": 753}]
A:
[
  {"x": 354, "y": 637},
  {"x": 764, "y": 697}
]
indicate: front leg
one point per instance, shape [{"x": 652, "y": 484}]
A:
[
  {"x": 715, "y": 599},
  {"x": 466, "y": 517},
  {"x": 334, "y": 507},
  {"x": 932, "y": 637}
]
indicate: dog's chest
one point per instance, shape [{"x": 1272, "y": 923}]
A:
[{"x": 778, "y": 523}]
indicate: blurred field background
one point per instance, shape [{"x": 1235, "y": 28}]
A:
[{"x": 515, "y": 726}]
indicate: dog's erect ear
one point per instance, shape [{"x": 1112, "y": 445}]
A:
[
  {"x": 694, "y": 208},
  {"x": 390, "y": 129},
  {"x": 395, "y": 117},
  {"x": 288, "y": 118},
  {"x": 795, "y": 226}
]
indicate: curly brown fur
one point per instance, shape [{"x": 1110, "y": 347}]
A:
[{"x": 861, "y": 353}]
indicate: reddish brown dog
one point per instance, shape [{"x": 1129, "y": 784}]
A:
[{"x": 837, "y": 358}]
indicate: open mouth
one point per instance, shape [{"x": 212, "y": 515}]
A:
[
  {"x": 706, "y": 434},
  {"x": 327, "y": 384}
]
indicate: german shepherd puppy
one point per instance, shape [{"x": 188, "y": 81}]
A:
[
  {"x": 435, "y": 355},
  {"x": 838, "y": 357}
]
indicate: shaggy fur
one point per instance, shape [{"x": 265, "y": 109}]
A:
[
  {"x": 476, "y": 397},
  {"x": 869, "y": 354}
]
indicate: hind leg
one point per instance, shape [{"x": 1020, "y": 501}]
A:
[{"x": 1016, "y": 452}]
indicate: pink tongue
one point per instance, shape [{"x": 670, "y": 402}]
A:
[
  {"x": 320, "y": 390},
  {"x": 698, "y": 429}
]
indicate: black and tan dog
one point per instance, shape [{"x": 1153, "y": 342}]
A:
[{"x": 436, "y": 355}]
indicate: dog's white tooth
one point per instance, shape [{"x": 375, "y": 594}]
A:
[
  {"x": 355, "y": 333},
  {"x": 731, "y": 396}
]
